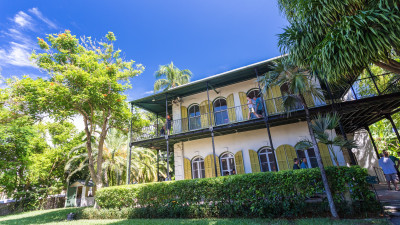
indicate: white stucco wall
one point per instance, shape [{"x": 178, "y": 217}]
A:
[
  {"x": 243, "y": 141},
  {"x": 365, "y": 153}
]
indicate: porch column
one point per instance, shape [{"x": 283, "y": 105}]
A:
[
  {"x": 389, "y": 117},
  {"x": 341, "y": 128},
  {"x": 167, "y": 134},
  {"x": 128, "y": 174},
  {"x": 212, "y": 131},
  {"x": 373, "y": 142},
  {"x": 265, "y": 113}
]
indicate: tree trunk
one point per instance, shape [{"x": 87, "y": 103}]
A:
[
  {"x": 389, "y": 67},
  {"x": 319, "y": 161}
]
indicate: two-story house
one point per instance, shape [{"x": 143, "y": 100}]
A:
[{"x": 211, "y": 117}]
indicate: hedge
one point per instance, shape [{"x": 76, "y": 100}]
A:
[{"x": 276, "y": 194}]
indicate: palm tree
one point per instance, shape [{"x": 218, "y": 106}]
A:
[
  {"x": 299, "y": 83},
  {"x": 170, "y": 76},
  {"x": 323, "y": 127}
]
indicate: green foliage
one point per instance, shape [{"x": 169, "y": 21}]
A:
[
  {"x": 86, "y": 78},
  {"x": 277, "y": 194},
  {"x": 341, "y": 38},
  {"x": 170, "y": 76}
]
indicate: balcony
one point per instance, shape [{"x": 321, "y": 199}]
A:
[{"x": 366, "y": 96}]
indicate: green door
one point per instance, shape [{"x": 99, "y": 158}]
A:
[{"x": 71, "y": 197}]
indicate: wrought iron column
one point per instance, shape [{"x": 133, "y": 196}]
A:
[
  {"x": 373, "y": 142},
  {"x": 128, "y": 174},
  {"x": 212, "y": 131},
  {"x": 352, "y": 90},
  {"x": 342, "y": 131},
  {"x": 389, "y": 117},
  {"x": 167, "y": 134},
  {"x": 158, "y": 165},
  {"x": 265, "y": 113},
  {"x": 373, "y": 80},
  {"x": 157, "y": 125}
]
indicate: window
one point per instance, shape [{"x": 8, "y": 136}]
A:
[
  {"x": 194, "y": 117},
  {"x": 309, "y": 154},
  {"x": 228, "y": 164},
  {"x": 198, "y": 168},
  {"x": 220, "y": 111},
  {"x": 253, "y": 93},
  {"x": 267, "y": 160}
]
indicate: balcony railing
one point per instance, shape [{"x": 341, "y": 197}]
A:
[{"x": 361, "y": 88}]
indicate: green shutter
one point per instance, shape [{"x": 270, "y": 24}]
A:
[
  {"x": 187, "y": 168},
  {"x": 239, "y": 162},
  {"x": 71, "y": 197},
  {"x": 254, "y": 161},
  {"x": 231, "y": 108}
]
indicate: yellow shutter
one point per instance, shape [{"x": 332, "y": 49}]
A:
[
  {"x": 239, "y": 162},
  {"x": 269, "y": 102},
  {"x": 276, "y": 92},
  {"x": 291, "y": 155},
  {"x": 184, "y": 118},
  {"x": 255, "y": 163},
  {"x": 204, "y": 114},
  {"x": 281, "y": 158},
  {"x": 188, "y": 168},
  {"x": 209, "y": 166},
  {"x": 231, "y": 108},
  {"x": 285, "y": 155},
  {"x": 326, "y": 157},
  {"x": 243, "y": 103}
]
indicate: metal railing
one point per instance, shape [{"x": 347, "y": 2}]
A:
[{"x": 361, "y": 88}]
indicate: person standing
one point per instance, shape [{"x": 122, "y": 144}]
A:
[
  {"x": 169, "y": 121},
  {"x": 259, "y": 107},
  {"x": 250, "y": 105},
  {"x": 296, "y": 164},
  {"x": 304, "y": 164},
  {"x": 396, "y": 162},
  {"x": 388, "y": 168}
]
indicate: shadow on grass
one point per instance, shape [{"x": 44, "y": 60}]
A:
[{"x": 39, "y": 217}]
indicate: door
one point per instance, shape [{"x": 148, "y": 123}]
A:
[{"x": 71, "y": 197}]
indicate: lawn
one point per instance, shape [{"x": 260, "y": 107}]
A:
[{"x": 58, "y": 216}]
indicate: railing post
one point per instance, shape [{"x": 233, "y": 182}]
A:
[
  {"x": 342, "y": 131},
  {"x": 212, "y": 131},
  {"x": 128, "y": 174},
  {"x": 389, "y": 117},
  {"x": 167, "y": 134},
  {"x": 373, "y": 80},
  {"x": 373, "y": 142},
  {"x": 265, "y": 113}
]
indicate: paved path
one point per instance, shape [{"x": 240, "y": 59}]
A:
[{"x": 390, "y": 201}]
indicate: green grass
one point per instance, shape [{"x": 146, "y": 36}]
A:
[{"x": 58, "y": 216}]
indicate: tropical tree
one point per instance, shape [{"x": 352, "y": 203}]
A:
[
  {"x": 324, "y": 129},
  {"x": 170, "y": 76},
  {"x": 300, "y": 83},
  {"x": 342, "y": 37},
  {"x": 86, "y": 78}
]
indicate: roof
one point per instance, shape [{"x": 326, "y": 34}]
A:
[
  {"x": 82, "y": 183},
  {"x": 156, "y": 103}
]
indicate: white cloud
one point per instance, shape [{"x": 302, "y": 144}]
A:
[
  {"x": 39, "y": 14},
  {"x": 22, "y": 19},
  {"x": 17, "y": 55},
  {"x": 149, "y": 92}
]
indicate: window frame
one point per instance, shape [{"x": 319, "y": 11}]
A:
[
  {"x": 266, "y": 148},
  {"x": 223, "y": 113},
  {"x": 195, "y": 118},
  {"x": 201, "y": 170},
  {"x": 229, "y": 155}
]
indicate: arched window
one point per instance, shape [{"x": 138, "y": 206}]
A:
[
  {"x": 220, "y": 111},
  {"x": 267, "y": 160},
  {"x": 228, "y": 164},
  {"x": 194, "y": 117},
  {"x": 309, "y": 154},
  {"x": 198, "y": 170},
  {"x": 253, "y": 93}
]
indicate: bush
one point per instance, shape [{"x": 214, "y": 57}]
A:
[{"x": 278, "y": 194}]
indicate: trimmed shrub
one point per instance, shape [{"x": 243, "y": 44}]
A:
[{"x": 277, "y": 194}]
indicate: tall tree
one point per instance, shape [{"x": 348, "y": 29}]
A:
[
  {"x": 299, "y": 83},
  {"x": 342, "y": 37},
  {"x": 86, "y": 78},
  {"x": 170, "y": 76}
]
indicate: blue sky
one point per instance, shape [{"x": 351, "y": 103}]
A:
[{"x": 207, "y": 37}]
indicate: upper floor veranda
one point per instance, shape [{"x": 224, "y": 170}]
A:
[{"x": 220, "y": 102}]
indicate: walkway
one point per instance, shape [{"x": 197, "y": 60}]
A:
[{"x": 390, "y": 201}]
